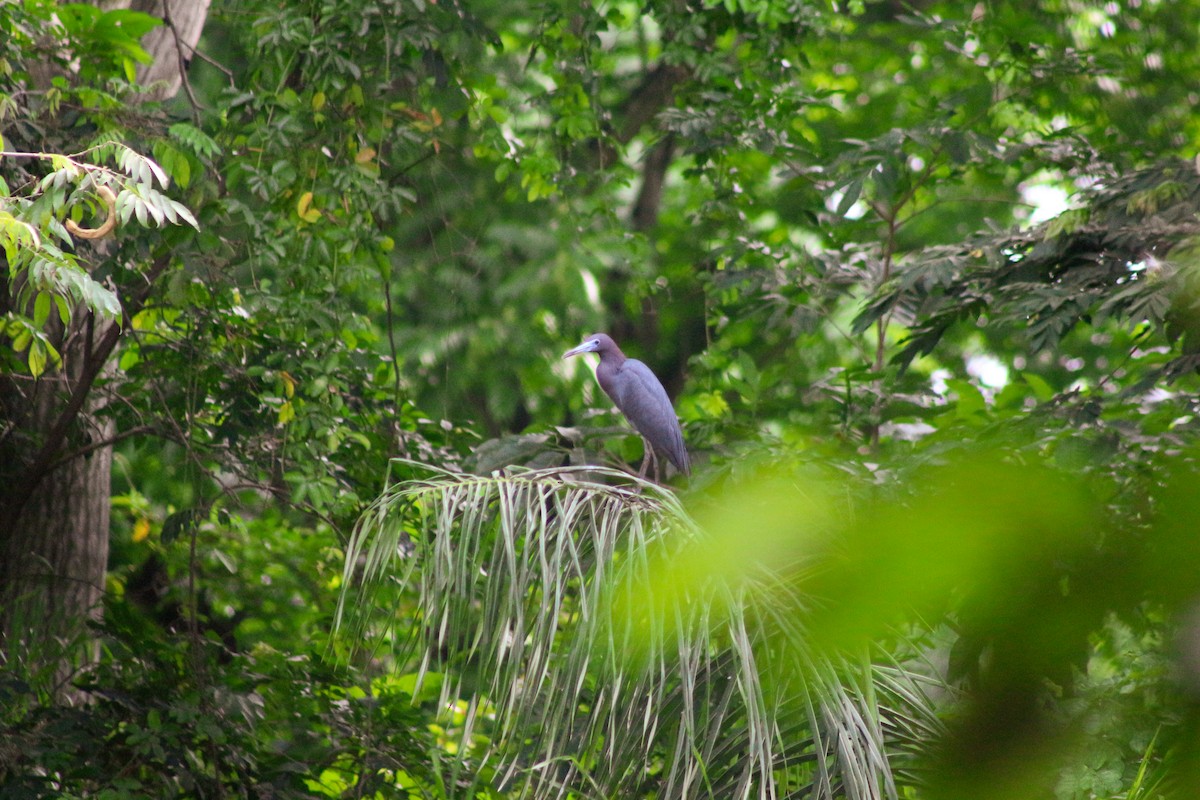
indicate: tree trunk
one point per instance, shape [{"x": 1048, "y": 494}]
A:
[
  {"x": 55, "y": 445},
  {"x": 171, "y": 44},
  {"x": 54, "y": 549}
]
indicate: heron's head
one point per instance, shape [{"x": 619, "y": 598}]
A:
[{"x": 596, "y": 343}]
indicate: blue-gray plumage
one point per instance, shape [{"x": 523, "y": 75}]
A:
[{"x": 640, "y": 397}]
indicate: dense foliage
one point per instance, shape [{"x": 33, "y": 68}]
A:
[{"x": 921, "y": 278}]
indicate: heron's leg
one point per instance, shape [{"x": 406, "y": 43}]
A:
[
  {"x": 646, "y": 458},
  {"x": 651, "y": 458}
]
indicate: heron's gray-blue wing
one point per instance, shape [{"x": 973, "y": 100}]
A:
[{"x": 644, "y": 402}]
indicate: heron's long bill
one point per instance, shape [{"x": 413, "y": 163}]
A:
[{"x": 589, "y": 346}]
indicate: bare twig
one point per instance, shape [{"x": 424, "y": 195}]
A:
[
  {"x": 101, "y": 443},
  {"x": 179, "y": 48}
]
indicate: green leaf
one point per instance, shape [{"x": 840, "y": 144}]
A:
[
  {"x": 1042, "y": 390},
  {"x": 969, "y": 400},
  {"x": 852, "y": 192},
  {"x": 200, "y": 142},
  {"x": 181, "y": 523},
  {"x": 41, "y": 309},
  {"x": 37, "y": 358},
  {"x": 184, "y": 213},
  {"x": 22, "y": 337},
  {"x": 64, "y": 309}
]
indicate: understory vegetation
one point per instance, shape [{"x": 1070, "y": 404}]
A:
[{"x": 298, "y": 498}]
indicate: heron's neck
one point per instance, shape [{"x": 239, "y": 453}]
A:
[
  {"x": 614, "y": 357},
  {"x": 606, "y": 370}
]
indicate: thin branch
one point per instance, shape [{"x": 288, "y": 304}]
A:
[
  {"x": 217, "y": 65},
  {"x": 18, "y": 154},
  {"x": 418, "y": 161},
  {"x": 179, "y": 47},
  {"x": 69, "y": 156},
  {"x": 101, "y": 443},
  {"x": 391, "y": 332},
  {"x": 881, "y": 325}
]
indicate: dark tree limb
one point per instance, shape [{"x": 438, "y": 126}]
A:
[
  {"x": 654, "y": 176},
  {"x": 100, "y": 349},
  {"x": 651, "y": 96}
]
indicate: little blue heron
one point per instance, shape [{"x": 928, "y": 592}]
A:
[{"x": 640, "y": 397}]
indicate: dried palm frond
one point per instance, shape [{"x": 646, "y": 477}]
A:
[{"x": 577, "y": 677}]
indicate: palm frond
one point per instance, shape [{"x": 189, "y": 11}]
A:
[{"x": 536, "y": 592}]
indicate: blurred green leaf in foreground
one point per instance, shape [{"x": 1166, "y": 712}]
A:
[{"x": 1026, "y": 588}]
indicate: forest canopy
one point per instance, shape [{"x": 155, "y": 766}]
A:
[{"x": 299, "y": 499}]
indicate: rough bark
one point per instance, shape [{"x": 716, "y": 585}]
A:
[
  {"x": 171, "y": 45},
  {"x": 55, "y": 546},
  {"x": 55, "y": 476},
  {"x": 651, "y": 96},
  {"x": 55, "y": 443}
]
